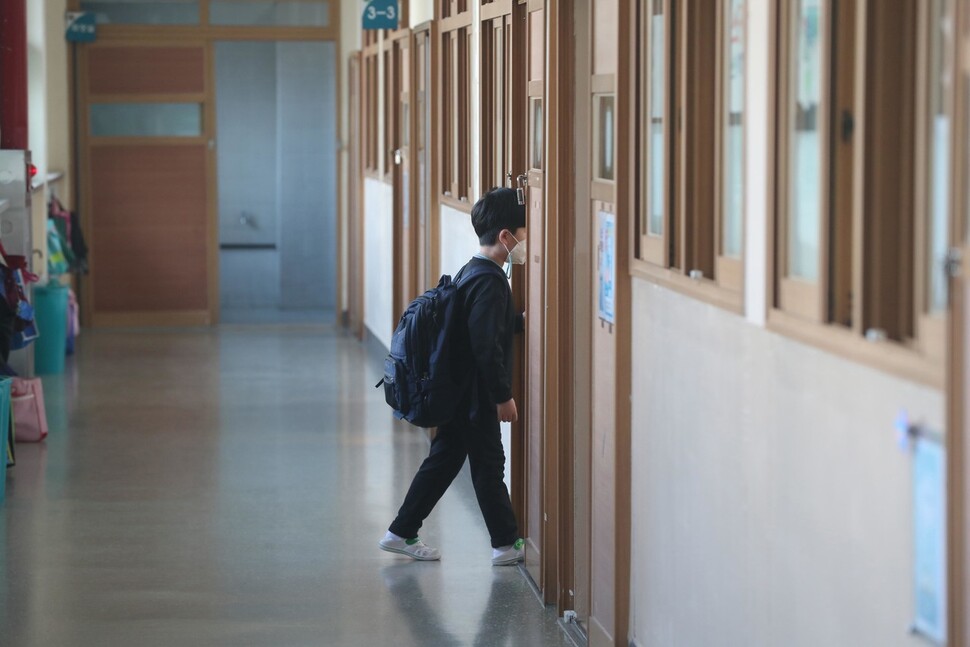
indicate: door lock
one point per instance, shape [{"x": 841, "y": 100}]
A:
[
  {"x": 848, "y": 126},
  {"x": 953, "y": 263},
  {"x": 523, "y": 181},
  {"x": 398, "y": 157}
]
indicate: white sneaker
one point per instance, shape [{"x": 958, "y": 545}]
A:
[
  {"x": 413, "y": 548},
  {"x": 509, "y": 555}
]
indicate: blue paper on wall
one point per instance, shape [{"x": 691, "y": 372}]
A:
[{"x": 929, "y": 510}]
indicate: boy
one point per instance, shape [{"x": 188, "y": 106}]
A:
[{"x": 499, "y": 221}]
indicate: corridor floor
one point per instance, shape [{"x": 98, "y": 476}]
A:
[{"x": 228, "y": 487}]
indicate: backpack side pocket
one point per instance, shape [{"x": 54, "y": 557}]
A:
[{"x": 395, "y": 385}]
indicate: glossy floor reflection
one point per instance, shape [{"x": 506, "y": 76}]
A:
[{"x": 229, "y": 487}]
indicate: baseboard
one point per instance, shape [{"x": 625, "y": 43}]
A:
[
  {"x": 598, "y": 635},
  {"x": 373, "y": 344},
  {"x": 574, "y": 632},
  {"x": 161, "y": 319},
  {"x": 532, "y": 584}
]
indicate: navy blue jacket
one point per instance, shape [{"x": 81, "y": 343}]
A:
[{"x": 492, "y": 324}]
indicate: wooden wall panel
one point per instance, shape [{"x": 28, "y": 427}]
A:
[
  {"x": 603, "y": 461},
  {"x": 537, "y": 36},
  {"x": 146, "y": 70},
  {"x": 149, "y": 228},
  {"x": 606, "y": 45}
]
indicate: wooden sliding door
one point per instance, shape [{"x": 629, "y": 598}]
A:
[{"x": 147, "y": 150}]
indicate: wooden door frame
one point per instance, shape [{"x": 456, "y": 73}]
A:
[
  {"x": 355, "y": 230},
  {"x": 519, "y": 127},
  {"x": 414, "y": 159},
  {"x": 402, "y": 245},
  {"x": 958, "y": 344},
  {"x": 576, "y": 592},
  {"x": 625, "y": 206},
  {"x": 431, "y": 31},
  {"x": 624, "y": 197},
  {"x": 560, "y": 213},
  {"x": 205, "y": 35},
  {"x": 556, "y": 543},
  {"x": 535, "y": 377}
]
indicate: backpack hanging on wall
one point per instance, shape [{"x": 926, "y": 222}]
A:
[{"x": 15, "y": 278}]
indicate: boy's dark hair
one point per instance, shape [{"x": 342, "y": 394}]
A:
[{"x": 498, "y": 209}]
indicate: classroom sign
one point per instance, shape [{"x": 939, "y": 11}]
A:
[{"x": 381, "y": 14}]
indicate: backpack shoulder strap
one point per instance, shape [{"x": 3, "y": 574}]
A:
[{"x": 469, "y": 273}]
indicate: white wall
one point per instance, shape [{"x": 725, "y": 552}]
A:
[
  {"x": 378, "y": 259},
  {"x": 756, "y": 161},
  {"x": 458, "y": 240},
  {"x": 37, "y": 83},
  {"x": 350, "y": 40},
  {"x": 421, "y": 11},
  {"x": 49, "y": 111},
  {"x": 771, "y": 504},
  {"x": 58, "y": 96},
  {"x": 37, "y": 135}
]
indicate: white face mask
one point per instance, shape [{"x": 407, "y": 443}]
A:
[{"x": 518, "y": 255}]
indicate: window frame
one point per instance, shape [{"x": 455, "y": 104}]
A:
[
  {"x": 388, "y": 59},
  {"x": 654, "y": 249},
  {"x": 799, "y": 296},
  {"x": 883, "y": 250},
  {"x": 393, "y": 99},
  {"x": 455, "y": 74},
  {"x": 370, "y": 60},
  {"x": 729, "y": 270},
  {"x": 497, "y": 73},
  {"x": 686, "y": 254},
  {"x": 931, "y": 326}
]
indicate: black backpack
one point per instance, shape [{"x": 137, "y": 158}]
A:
[{"x": 423, "y": 374}]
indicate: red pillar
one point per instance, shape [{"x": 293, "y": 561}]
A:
[{"x": 13, "y": 74}]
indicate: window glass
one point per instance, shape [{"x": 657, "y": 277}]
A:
[
  {"x": 732, "y": 177},
  {"x": 269, "y": 13},
  {"x": 499, "y": 44},
  {"x": 804, "y": 182},
  {"x": 132, "y": 12},
  {"x": 941, "y": 80},
  {"x": 146, "y": 120},
  {"x": 656, "y": 108},
  {"x": 421, "y": 119},
  {"x": 537, "y": 126},
  {"x": 966, "y": 120},
  {"x": 405, "y": 124},
  {"x": 606, "y": 117}
]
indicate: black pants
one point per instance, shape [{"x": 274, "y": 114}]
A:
[{"x": 480, "y": 439}]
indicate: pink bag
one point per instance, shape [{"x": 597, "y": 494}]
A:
[{"x": 30, "y": 417}]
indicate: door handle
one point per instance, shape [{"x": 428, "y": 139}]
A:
[{"x": 398, "y": 157}]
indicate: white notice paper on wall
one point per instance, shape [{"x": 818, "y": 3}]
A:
[
  {"x": 607, "y": 267},
  {"x": 929, "y": 509}
]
